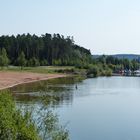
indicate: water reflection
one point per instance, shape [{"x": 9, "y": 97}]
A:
[
  {"x": 99, "y": 109},
  {"x": 58, "y": 90}
]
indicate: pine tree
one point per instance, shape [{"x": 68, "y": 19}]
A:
[{"x": 4, "y": 61}]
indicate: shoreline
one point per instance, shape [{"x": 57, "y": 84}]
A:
[
  {"x": 11, "y": 79},
  {"x": 35, "y": 77}
]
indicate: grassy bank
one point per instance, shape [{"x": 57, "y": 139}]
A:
[
  {"x": 17, "y": 124},
  {"x": 40, "y": 69},
  {"x": 88, "y": 70}
]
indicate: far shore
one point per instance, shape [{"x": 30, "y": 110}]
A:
[{"x": 11, "y": 79}]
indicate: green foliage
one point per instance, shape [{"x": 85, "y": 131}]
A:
[
  {"x": 4, "y": 61},
  {"x": 57, "y": 62},
  {"x": 109, "y": 72},
  {"x": 33, "y": 62},
  {"x": 13, "y": 125},
  {"x": 98, "y": 70},
  {"x": 93, "y": 71},
  {"x": 116, "y": 65},
  {"x": 21, "y": 60},
  {"x": 16, "y": 124},
  {"x": 50, "y": 129},
  {"x": 44, "y": 62},
  {"x": 31, "y": 50},
  {"x": 47, "y": 49}
]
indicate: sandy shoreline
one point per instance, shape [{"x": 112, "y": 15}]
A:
[{"x": 11, "y": 79}]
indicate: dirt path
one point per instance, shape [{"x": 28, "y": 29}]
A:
[{"x": 10, "y": 79}]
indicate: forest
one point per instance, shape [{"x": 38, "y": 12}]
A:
[
  {"x": 28, "y": 50},
  {"x": 33, "y": 50}
]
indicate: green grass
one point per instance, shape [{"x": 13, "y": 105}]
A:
[{"x": 41, "y": 69}]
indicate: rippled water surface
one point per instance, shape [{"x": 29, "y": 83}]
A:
[{"x": 104, "y": 108}]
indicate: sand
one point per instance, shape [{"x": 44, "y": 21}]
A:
[{"x": 11, "y": 79}]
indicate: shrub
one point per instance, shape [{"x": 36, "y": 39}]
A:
[
  {"x": 93, "y": 71},
  {"x": 13, "y": 125},
  {"x": 33, "y": 62},
  {"x": 108, "y": 72},
  {"x": 16, "y": 124}
]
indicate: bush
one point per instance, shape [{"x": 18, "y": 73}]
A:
[
  {"x": 93, "y": 71},
  {"x": 33, "y": 62},
  {"x": 108, "y": 72},
  {"x": 18, "y": 125},
  {"x": 13, "y": 125},
  {"x": 44, "y": 62}
]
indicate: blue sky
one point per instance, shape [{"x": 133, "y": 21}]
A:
[{"x": 103, "y": 26}]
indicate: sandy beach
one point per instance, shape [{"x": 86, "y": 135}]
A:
[{"x": 11, "y": 79}]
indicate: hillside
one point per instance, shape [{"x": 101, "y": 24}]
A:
[{"x": 122, "y": 56}]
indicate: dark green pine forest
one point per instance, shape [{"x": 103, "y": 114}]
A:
[{"x": 42, "y": 50}]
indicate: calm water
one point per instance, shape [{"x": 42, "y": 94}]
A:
[{"x": 99, "y": 109}]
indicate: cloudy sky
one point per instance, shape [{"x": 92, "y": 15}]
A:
[{"x": 103, "y": 26}]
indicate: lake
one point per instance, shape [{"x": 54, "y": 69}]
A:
[{"x": 104, "y": 108}]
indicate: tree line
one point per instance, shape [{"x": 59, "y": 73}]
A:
[
  {"x": 119, "y": 64},
  {"x": 33, "y": 50},
  {"x": 106, "y": 65}
]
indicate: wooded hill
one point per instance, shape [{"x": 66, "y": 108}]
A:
[
  {"x": 43, "y": 50},
  {"x": 122, "y": 56}
]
